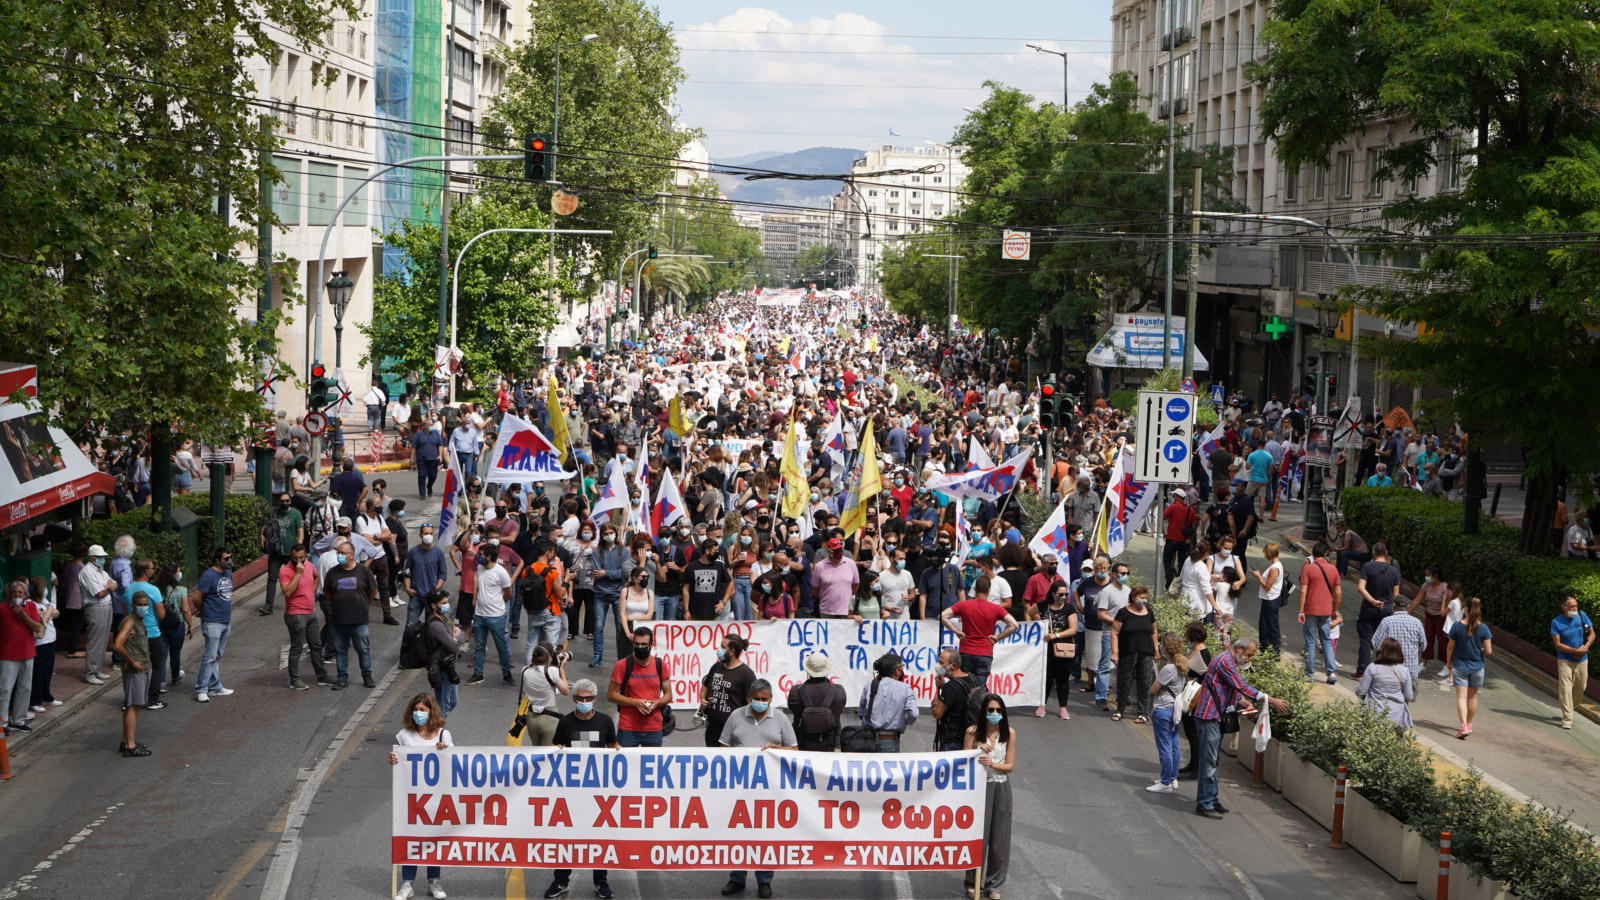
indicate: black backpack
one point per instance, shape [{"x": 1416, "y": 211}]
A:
[
  {"x": 817, "y": 720},
  {"x": 535, "y": 598},
  {"x": 415, "y": 652},
  {"x": 273, "y": 532}
]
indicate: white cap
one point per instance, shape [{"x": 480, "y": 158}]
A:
[{"x": 97, "y": 550}]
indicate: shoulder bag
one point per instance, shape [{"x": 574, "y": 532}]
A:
[{"x": 862, "y": 738}]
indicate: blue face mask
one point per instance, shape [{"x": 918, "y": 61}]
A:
[
  {"x": 419, "y": 716},
  {"x": 1122, "y": 579},
  {"x": 585, "y": 708},
  {"x": 744, "y": 539},
  {"x": 342, "y": 559},
  {"x": 444, "y": 609},
  {"x": 993, "y": 718},
  {"x": 722, "y": 653},
  {"x": 759, "y": 707}
]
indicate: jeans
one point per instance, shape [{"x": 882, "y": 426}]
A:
[
  {"x": 639, "y": 738},
  {"x": 763, "y": 876},
  {"x": 374, "y": 416},
  {"x": 1317, "y": 632},
  {"x": 1346, "y": 557},
  {"x": 606, "y": 605},
  {"x": 304, "y": 632},
  {"x": 343, "y": 635},
  {"x": 977, "y": 666},
  {"x": 542, "y": 626},
  {"x": 446, "y": 694},
  {"x": 667, "y": 607},
  {"x": 174, "y": 641},
  {"x": 408, "y": 874},
  {"x": 1167, "y": 747},
  {"x": 741, "y": 599},
  {"x": 947, "y": 746},
  {"x": 514, "y": 608},
  {"x": 427, "y": 474},
  {"x": 158, "y": 664},
  {"x": 889, "y": 745},
  {"x": 16, "y": 684},
  {"x": 482, "y": 628},
  {"x": 468, "y": 461},
  {"x": 1366, "y": 627},
  {"x": 1210, "y": 743},
  {"x": 1267, "y": 625},
  {"x": 210, "y": 679},
  {"x": 415, "y": 606},
  {"x": 274, "y": 564},
  {"x": 1102, "y": 672}
]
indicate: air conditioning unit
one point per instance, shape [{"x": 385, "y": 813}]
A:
[{"x": 1168, "y": 107}]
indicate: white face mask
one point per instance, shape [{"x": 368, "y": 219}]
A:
[{"x": 427, "y": 539}]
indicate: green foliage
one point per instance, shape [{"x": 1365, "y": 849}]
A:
[
  {"x": 1123, "y": 399},
  {"x": 917, "y": 285},
  {"x": 823, "y": 266},
  {"x": 1520, "y": 593},
  {"x": 124, "y": 124},
  {"x": 615, "y": 130},
  {"x": 710, "y": 229},
  {"x": 1171, "y": 380},
  {"x": 1036, "y": 510},
  {"x": 1518, "y": 77},
  {"x": 245, "y": 514},
  {"x": 1278, "y": 678},
  {"x": 1543, "y": 857},
  {"x": 1387, "y": 764},
  {"x": 504, "y": 309},
  {"x": 907, "y": 389}
]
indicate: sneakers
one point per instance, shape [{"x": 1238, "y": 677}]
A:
[
  {"x": 299, "y": 685},
  {"x": 594, "y": 663},
  {"x": 18, "y": 726},
  {"x": 507, "y": 679},
  {"x": 555, "y": 889},
  {"x": 764, "y": 889},
  {"x": 436, "y": 890},
  {"x": 1162, "y": 787},
  {"x": 1465, "y": 730},
  {"x": 477, "y": 678},
  {"x": 94, "y": 679},
  {"x": 222, "y": 692},
  {"x": 1102, "y": 705},
  {"x": 1333, "y": 679},
  {"x": 1064, "y": 714},
  {"x": 202, "y": 697},
  {"x": 157, "y": 705},
  {"x": 1038, "y": 713},
  {"x": 603, "y": 891},
  {"x": 324, "y": 679},
  {"x": 264, "y": 611},
  {"x": 37, "y": 709},
  {"x": 406, "y": 892},
  {"x": 341, "y": 684},
  {"x": 1208, "y": 813},
  {"x": 179, "y": 679}
]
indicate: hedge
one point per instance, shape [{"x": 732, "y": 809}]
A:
[
  {"x": 1520, "y": 593},
  {"x": 246, "y": 513}
]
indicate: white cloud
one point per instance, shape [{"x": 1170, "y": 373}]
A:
[{"x": 916, "y": 87}]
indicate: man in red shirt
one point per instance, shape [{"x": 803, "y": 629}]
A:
[
  {"x": 20, "y": 623},
  {"x": 978, "y": 616},
  {"x": 641, "y": 686},
  {"x": 1181, "y": 521},
  {"x": 1319, "y": 599},
  {"x": 298, "y": 578}
]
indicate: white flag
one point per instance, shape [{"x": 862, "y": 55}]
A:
[
  {"x": 985, "y": 484},
  {"x": 614, "y": 496},
  {"x": 977, "y": 457},
  {"x": 1052, "y": 540}
]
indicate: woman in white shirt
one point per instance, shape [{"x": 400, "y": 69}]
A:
[
  {"x": 1270, "y": 585},
  {"x": 424, "y": 728},
  {"x": 542, "y": 679},
  {"x": 1195, "y": 580}
]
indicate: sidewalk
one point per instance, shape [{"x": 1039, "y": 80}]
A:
[{"x": 1516, "y": 741}]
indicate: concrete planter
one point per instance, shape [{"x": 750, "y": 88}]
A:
[
  {"x": 1273, "y": 767},
  {"x": 1464, "y": 885},
  {"x": 1270, "y": 762},
  {"x": 1391, "y": 845},
  {"x": 1308, "y": 788}
]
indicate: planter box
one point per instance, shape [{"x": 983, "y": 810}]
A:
[
  {"x": 1391, "y": 845},
  {"x": 1308, "y": 788},
  {"x": 1272, "y": 759},
  {"x": 1273, "y": 768},
  {"x": 1463, "y": 884}
]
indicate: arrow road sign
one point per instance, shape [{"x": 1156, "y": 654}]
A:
[{"x": 1165, "y": 440}]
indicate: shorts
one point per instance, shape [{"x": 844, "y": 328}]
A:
[
  {"x": 1467, "y": 679},
  {"x": 135, "y": 689}
]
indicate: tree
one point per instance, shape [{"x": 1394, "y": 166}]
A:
[
  {"x": 822, "y": 265},
  {"x": 1507, "y": 300},
  {"x": 617, "y": 139},
  {"x": 704, "y": 224},
  {"x": 914, "y": 284},
  {"x": 118, "y": 277},
  {"x": 505, "y": 308}
]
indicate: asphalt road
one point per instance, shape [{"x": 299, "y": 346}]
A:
[{"x": 272, "y": 794}]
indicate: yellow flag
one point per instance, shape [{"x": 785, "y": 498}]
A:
[
  {"x": 795, "y": 489},
  {"x": 676, "y": 420},
  {"x": 871, "y": 484},
  {"x": 558, "y": 421}
]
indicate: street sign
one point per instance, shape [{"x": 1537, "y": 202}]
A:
[
  {"x": 1188, "y": 386},
  {"x": 315, "y": 422},
  {"x": 1165, "y": 441},
  {"x": 1016, "y": 245},
  {"x": 1219, "y": 394},
  {"x": 219, "y": 456},
  {"x": 1319, "y": 441},
  {"x": 1346, "y": 435}
]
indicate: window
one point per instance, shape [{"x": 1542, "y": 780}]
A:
[
  {"x": 1406, "y": 259},
  {"x": 1289, "y": 268},
  {"x": 1346, "y": 163},
  {"x": 1374, "y": 164},
  {"x": 872, "y": 193},
  {"x": 938, "y": 179},
  {"x": 1291, "y": 185},
  {"x": 286, "y": 193},
  {"x": 1319, "y": 182},
  {"x": 322, "y": 192},
  {"x": 916, "y": 179},
  {"x": 894, "y": 193},
  {"x": 1409, "y": 184},
  {"x": 914, "y": 195},
  {"x": 1451, "y": 153},
  {"x": 355, "y": 213}
]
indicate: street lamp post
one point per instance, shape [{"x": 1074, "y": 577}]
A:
[
  {"x": 555, "y": 132},
  {"x": 339, "y": 290},
  {"x": 1061, "y": 53}
]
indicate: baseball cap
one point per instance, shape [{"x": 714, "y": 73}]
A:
[
  {"x": 1088, "y": 566},
  {"x": 97, "y": 550},
  {"x": 835, "y": 544},
  {"x": 342, "y": 522}
]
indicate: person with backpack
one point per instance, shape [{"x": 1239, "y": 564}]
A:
[
  {"x": 1572, "y": 634},
  {"x": 283, "y": 529},
  {"x": 725, "y": 687},
  {"x": 888, "y": 705},
  {"x": 542, "y": 598},
  {"x": 433, "y": 643},
  {"x": 817, "y": 706},
  {"x": 950, "y": 703},
  {"x": 641, "y": 689}
]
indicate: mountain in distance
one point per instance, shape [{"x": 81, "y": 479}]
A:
[
  {"x": 811, "y": 161},
  {"x": 750, "y": 159}
]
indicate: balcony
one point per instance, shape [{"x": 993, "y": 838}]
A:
[
  {"x": 491, "y": 43},
  {"x": 1184, "y": 33},
  {"x": 1238, "y": 266},
  {"x": 1329, "y": 277}
]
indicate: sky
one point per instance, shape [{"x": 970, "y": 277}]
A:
[{"x": 906, "y": 66}]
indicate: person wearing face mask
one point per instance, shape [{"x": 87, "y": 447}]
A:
[
  {"x": 637, "y": 603},
  {"x": 283, "y": 529},
  {"x": 424, "y": 728},
  {"x": 583, "y": 728},
  {"x": 1220, "y": 690},
  {"x": 350, "y": 587},
  {"x": 996, "y": 743},
  {"x": 425, "y": 573},
  {"x": 834, "y": 581},
  {"x": 898, "y": 591},
  {"x": 581, "y": 575},
  {"x": 725, "y": 687},
  {"x": 756, "y": 724},
  {"x": 213, "y": 596},
  {"x": 641, "y": 689},
  {"x": 608, "y": 562},
  {"x": 742, "y": 556},
  {"x": 95, "y": 586},
  {"x": 677, "y": 552},
  {"x": 21, "y": 624},
  {"x": 707, "y": 586},
  {"x": 538, "y": 508},
  {"x": 298, "y": 578},
  {"x": 1110, "y": 596},
  {"x": 132, "y": 645},
  {"x": 492, "y": 583},
  {"x": 1133, "y": 652},
  {"x": 941, "y": 585},
  {"x": 1572, "y": 634}
]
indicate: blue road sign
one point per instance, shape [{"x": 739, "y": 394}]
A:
[
  {"x": 1219, "y": 394},
  {"x": 1178, "y": 409},
  {"x": 1175, "y": 451}
]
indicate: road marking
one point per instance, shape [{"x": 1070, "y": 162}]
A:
[
  {"x": 281, "y": 872},
  {"x": 241, "y": 869},
  {"x": 1244, "y": 882},
  {"x": 25, "y": 883},
  {"x": 902, "y": 885}
]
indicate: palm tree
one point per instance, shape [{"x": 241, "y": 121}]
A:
[{"x": 680, "y": 275}]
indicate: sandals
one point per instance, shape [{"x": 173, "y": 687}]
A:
[
  {"x": 1116, "y": 717},
  {"x": 136, "y": 750},
  {"x": 1139, "y": 720}
]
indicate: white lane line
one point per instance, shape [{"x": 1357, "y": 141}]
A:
[
  {"x": 25, "y": 883},
  {"x": 1244, "y": 882},
  {"x": 279, "y": 874},
  {"x": 902, "y": 885}
]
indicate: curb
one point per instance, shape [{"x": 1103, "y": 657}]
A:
[{"x": 93, "y": 692}]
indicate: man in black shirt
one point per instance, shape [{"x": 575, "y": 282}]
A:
[
  {"x": 349, "y": 587},
  {"x": 817, "y": 692},
  {"x": 538, "y": 508},
  {"x": 725, "y": 688},
  {"x": 583, "y": 728},
  {"x": 950, "y": 703},
  {"x": 707, "y": 586}
]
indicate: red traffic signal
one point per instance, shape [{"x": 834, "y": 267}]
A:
[
  {"x": 1047, "y": 390},
  {"x": 536, "y": 144},
  {"x": 319, "y": 370}
]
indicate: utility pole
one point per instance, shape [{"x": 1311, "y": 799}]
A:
[
  {"x": 1172, "y": 146},
  {"x": 263, "y": 454},
  {"x": 1193, "y": 308},
  {"x": 442, "y": 337}
]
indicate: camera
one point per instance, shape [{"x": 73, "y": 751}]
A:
[{"x": 562, "y": 658}]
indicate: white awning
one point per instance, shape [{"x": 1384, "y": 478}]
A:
[
  {"x": 42, "y": 468},
  {"x": 1133, "y": 347}
]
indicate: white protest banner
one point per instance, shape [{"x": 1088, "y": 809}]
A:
[
  {"x": 686, "y": 808},
  {"x": 778, "y": 648},
  {"x": 523, "y": 454}
]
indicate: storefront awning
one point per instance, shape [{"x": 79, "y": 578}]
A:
[
  {"x": 42, "y": 470},
  {"x": 1128, "y": 346}
]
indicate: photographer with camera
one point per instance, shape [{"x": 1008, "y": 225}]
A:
[
  {"x": 542, "y": 679},
  {"x": 941, "y": 584}
]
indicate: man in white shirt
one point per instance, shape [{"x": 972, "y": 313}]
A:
[
  {"x": 95, "y": 586},
  {"x": 899, "y": 589},
  {"x": 492, "y": 591},
  {"x": 374, "y": 399}
]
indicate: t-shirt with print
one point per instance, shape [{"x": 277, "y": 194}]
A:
[
  {"x": 707, "y": 583},
  {"x": 722, "y": 691},
  {"x": 596, "y": 731},
  {"x": 348, "y": 591},
  {"x": 644, "y": 684},
  {"x": 216, "y": 602}
]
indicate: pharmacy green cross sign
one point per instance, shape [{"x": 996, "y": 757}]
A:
[{"x": 1275, "y": 327}]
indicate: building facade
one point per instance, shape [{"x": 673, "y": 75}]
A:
[
  {"x": 880, "y": 206},
  {"x": 1272, "y": 268},
  {"x": 785, "y": 235}
]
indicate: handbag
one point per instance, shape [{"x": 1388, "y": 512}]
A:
[
  {"x": 1064, "y": 649},
  {"x": 861, "y": 738}
]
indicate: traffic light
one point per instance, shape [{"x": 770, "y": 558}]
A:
[
  {"x": 324, "y": 390},
  {"x": 730, "y": 263},
  {"x": 650, "y": 252},
  {"x": 1048, "y": 409},
  {"x": 1332, "y": 381},
  {"x": 538, "y": 158}
]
